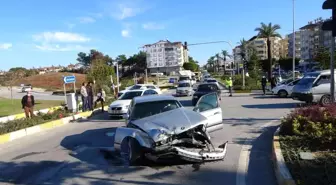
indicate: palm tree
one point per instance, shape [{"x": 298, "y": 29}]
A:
[
  {"x": 211, "y": 62},
  {"x": 268, "y": 31},
  {"x": 225, "y": 54},
  {"x": 217, "y": 61}
]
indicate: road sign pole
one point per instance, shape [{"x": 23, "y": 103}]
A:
[
  {"x": 332, "y": 70},
  {"x": 65, "y": 100}
]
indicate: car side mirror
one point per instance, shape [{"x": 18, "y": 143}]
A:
[
  {"x": 125, "y": 116},
  {"x": 196, "y": 109}
]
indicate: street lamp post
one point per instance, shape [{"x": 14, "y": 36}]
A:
[{"x": 294, "y": 44}]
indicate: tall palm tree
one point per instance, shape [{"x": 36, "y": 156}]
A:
[
  {"x": 225, "y": 54},
  {"x": 217, "y": 61},
  {"x": 211, "y": 62},
  {"x": 268, "y": 31}
]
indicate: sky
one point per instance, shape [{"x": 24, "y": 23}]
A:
[{"x": 37, "y": 33}]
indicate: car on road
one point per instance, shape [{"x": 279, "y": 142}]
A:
[
  {"x": 184, "y": 88},
  {"x": 26, "y": 88},
  {"x": 212, "y": 80},
  {"x": 141, "y": 86},
  {"x": 119, "y": 107},
  {"x": 285, "y": 89},
  {"x": 159, "y": 128},
  {"x": 203, "y": 89}
]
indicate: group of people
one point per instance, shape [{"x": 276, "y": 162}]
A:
[
  {"x": 87, "y": 96},
  {"x": 273, "y": 81}
]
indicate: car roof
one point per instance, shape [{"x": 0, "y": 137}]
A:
[
  {"x": 208, "y": 83},
  {"x": 152, "y": 98},
  {"x": 136, "y": 90},
  {"x": 145, "y": 84}
]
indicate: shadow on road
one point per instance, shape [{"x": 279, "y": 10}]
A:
[
  {"x": 271, "y": 106},
  {"x": 246, "y": 121},
  {"x": 267, "y": 97}
]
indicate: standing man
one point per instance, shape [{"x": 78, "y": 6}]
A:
[
  {"x": 273, "y": 82},
  {"x": 89, "y": 89},
  {"x": 84, "y": 95},
  {"x": 28, "y": 103},
  {"x": 229, "y": 85},
  {"x": 263, "y": 84},
  {"x": 100, "y": 98}
]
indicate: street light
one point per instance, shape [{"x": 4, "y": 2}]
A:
[{"x": 294, "y": 44}]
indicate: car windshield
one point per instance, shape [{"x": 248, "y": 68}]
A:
[
  {"x": 135, "y": 87},
  {"x": 184, "y": 78},
  {"x": 184, "y": 85},
  {"x": 146, "y": 109},
  {"x": 212, "y": 81},
  {"x": 308, "y": 79},
  {"x": 207, "y": 87},
  {"x": 130, "y": 95}
]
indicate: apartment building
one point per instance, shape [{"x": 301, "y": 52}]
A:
[
  {"x": 260, "y": 46},
  {"x": 297, "y": 45},
  {"x": 284, "y": 47},
  {"x": 165, "y": 56}
]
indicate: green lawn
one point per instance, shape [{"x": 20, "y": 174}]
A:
[{"x": 7, "y": 107}]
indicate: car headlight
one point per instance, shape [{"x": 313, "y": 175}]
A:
[{"x": 157, "y": 134}]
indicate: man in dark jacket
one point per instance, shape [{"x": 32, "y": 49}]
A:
[
  {"x": 273, "y": 82},
  {"x": 263, "y": 84},
  {"x": 89, "y": 89},
  {"x": 28, "y": 103}
]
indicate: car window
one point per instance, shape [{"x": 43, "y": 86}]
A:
[
  {"x": 151, "y": 87},
  {"x": 184, "y": 85},
  {"x": 153, "y": 92},
  {"x": 147, "y": 92},
  {"x": 135, "y": 87},
  {"x": 212, "y": 81},
  {"x": 207, "y": 102},
  {"x": 324, "y": 79},
  {"x": 207, "y": 87},
  {"x": 146, "y": 109},
  {"x": 130, "y": 95}
]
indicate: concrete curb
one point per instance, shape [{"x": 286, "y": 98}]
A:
[
  {"x": 282, "y": 173},
  {"x": 5, "y": 138},
  {"x": 22, "y": 115}
]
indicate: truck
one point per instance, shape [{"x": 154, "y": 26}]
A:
[{"x": 187, "y": 75}]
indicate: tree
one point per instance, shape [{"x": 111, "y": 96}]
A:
[
  {"x": 100, "y": 72},
  {"x": 287, "y": 63},
  {"x": 217, "y": 61},
  {"x": 252, "y": 65},
  {"x": 86, "y": 59},
  {"x": 323, "y": 57},
  {"x": 211, "y": 63},
  {"x": 268, "y": 31},
  {"x": 225, "y": 55}
]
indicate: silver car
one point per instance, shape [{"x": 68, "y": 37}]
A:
[
  {"x": 184, "y": 88},
  {"x": 160, "y": 128}
]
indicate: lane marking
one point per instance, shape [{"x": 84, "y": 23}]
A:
[{"x": 244, "y": 157}]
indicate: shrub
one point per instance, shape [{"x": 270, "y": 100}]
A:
[
  {"x": 315, "y": 123},
  {"x": 40, "y": 118}
]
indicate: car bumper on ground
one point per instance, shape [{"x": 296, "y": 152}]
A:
[{"x": 306, "y": 97}]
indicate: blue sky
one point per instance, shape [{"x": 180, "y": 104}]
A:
[{"x": 44, "y": 33}]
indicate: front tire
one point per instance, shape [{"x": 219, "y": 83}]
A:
[
  {"x": 325, "y": 100},
  {"x": 282, "y": 93},
  {"x": 134, "y": 151}
]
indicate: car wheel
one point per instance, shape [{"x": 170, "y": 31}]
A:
[
  {"x": 134, "y": 151},
  {"x": 282, "y": 94},
  {"x": 325, "y": 100}
]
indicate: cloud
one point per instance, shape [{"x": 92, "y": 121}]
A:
[
  {"x": 6, "y": 46},
  {"x": 126, "y": 33},
  {"x": 57, "y": 47},
  {"x": 60, "y": 37},
  {"x": 126, "y": 9},
  {"x": 86, "y": 20},
  {"x": 153, "y": 26}
]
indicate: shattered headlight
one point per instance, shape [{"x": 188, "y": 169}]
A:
[{"x": 159, "y": 135}]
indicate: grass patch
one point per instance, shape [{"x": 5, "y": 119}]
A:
[{"x": 7, "y": 107}]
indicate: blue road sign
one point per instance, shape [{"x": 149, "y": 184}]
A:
[{"x": 69, "y": 79}]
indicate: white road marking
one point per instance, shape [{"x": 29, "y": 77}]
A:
[{"x": 244, "y": 157}]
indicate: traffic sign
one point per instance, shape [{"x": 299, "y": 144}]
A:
[{"x": 69, "y": 79}]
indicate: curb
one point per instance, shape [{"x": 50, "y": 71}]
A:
[
  {"x": 22, "y": 115},
  {"x": 5, "y": 138},
  {"x": 282, "y": 173}
]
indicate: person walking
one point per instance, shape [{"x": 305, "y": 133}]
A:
[
  {"x": 273, "y": 82},
  {"x": 89, "y": 89},
  {"x": 263, "y": 84},
  {"x": 28, "y": 103},
  {"x": 100, "y": 98},
  {"x": 229, "y": 85},
  {"x": 84, "y": 96}
]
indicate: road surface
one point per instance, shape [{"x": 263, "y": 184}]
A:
[
  {"x": 76, "y": 153},
  {"x": 18, "y": 94}
]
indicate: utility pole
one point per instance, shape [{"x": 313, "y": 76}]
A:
[
  {"x": 294, "y": 44},
  {"x": 146, "y": 78},
  {"x": 330, "y": 25}
]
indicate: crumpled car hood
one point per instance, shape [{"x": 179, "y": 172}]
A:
[{"x": 172, "y": 122}]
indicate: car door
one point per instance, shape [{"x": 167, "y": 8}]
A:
[
  {"x": 209, "y": 106},
  {"x": 147, "y": 92},
  {"x": 290, "y": 86}
]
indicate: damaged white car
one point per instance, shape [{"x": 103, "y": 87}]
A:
[{"x": 160, "y": 128}]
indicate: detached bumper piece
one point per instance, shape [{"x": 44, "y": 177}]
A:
[{"x": 202, "y": 156}]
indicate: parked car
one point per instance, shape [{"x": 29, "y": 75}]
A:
[
  {"x": 119, "y": 107},
  {"x": 204, "y": 89},
  {"x": 212, "y": 80},
  {"x": 26, "y": 88},
  {"x": 141, "y": 86},
  {"x": 159, "y": 128},
  {"x": 285, "y": 89},
  {"x": 314, "y": 87},
  {"x": 184, "y": 88}
]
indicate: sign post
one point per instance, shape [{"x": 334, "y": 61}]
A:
[{"x": 67, "y": 80}]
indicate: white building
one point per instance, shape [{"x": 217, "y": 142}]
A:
[
  {"x": 165, "y": 56},
  {"x": 297, "y": 45}
]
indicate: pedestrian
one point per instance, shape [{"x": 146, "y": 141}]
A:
[
  {"x": 89, "y": 89},
  {"x": 28, "y": 103},
  {"x": 84, "y": 96},
  {"x": 229, "y": 85},
  {"x": 100, "y": 98},
  {"x": 273, "y": 82},
  {"x": 263, "y": 84}
]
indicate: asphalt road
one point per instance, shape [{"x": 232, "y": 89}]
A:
[
  {"x": 76, "y": 153},
  {"x": 18, "y": 94}
]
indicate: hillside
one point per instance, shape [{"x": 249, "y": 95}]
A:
[{"x": 51, "y": 81}]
